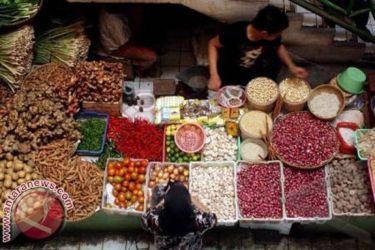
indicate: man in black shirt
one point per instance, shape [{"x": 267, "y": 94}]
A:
[{"x": 245, "y": 50}]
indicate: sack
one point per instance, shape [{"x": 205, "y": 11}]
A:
[{"x": 114, "y": 30}]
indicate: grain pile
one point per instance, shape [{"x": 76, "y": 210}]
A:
[
  {"x": 83, "y": 181},
  {"x": 325, "y": 105},
  {"x": 294, "y": 90}
]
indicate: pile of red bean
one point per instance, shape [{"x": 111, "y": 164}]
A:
[
  {"x": 305, "y": 193},
  {"x": 259, "y": 191},
  {"x": 303, "y": 140}
]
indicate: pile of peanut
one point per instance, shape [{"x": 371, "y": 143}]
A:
[
  {"x": 294, "y": 90},
  {"x": 262, "y": 90},
  {"x": 350, "y": 186}
]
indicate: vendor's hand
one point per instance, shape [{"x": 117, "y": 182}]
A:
[
  {"x": 214, "y": 83},
  {"x": 299, "y": 72}
]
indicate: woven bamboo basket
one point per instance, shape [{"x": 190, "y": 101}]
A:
[
  {"x": 291, "y": 164},
  {"x": 290, "y": 106},
  {"x": 328, "y": 89}
]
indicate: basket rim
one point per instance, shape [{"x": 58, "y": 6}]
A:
[
  {"x": 322, "y": 88},
  {"x": 298, "y": 166}
]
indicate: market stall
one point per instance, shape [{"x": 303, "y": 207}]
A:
[{"x": 266, "y": 156}]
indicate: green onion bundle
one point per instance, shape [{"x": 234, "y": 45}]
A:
[
  {"x": 16, "y": 55},
  {"x": 66, "y": 44},
  {"x": 13, "y": 12}
]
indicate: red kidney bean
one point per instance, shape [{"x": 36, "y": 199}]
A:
[
  {"x": 305, "y": 193},
  {"x": 259, "y": 191},
  {"x": 304, "y": 140}
]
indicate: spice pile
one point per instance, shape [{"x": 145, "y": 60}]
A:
[
  {"x": 16, "y": 54},
  {"x": 214, "y": 185},
  {"x": 306, "y": 193},
  {"x": 82, "y": 180},
  {"x": 325, "y": 105},
  {"x": 127, "y": 178},
  {"x": 92, "y": 130},
  {"x": 262, "y": 90},
  {"x": 304, "y": 141},
  {"x": 294, "y": 90},
  {"x": 67, "y": 45},
  {"x": 259, "y": 191},
  {"x": 366, "y": 143},
  {"x": 351, "y": 189},
  {"x": 99, "y": 81},
  {"x": 139, "y": 139},
  {"x": 219, "y": 146}
]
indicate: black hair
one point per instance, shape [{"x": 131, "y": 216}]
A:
[
  {"x": 177, "y": 217},
  {"x": 270, "y": 19}
]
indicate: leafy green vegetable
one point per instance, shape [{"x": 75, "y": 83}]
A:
[
  {"x": 15, "y": 11},
  {"x": 109, "y": 152},
  {"x": 92, "y": 130}
]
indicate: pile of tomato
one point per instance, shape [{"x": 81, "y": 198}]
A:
[{"x": 128, "y": 178}]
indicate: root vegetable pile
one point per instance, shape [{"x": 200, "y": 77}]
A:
[
  {"x": 302, "y": 140},
  {"x": 213, "y": 184},
  {"x": 259, "y": 191},
  {"x": 350, "y": 186},
  {"x": 138, "y": 140},
  {"x": 83, "y": 181},
  {"x": 100, "y": 81},
  {"x": 127, "y": 178},
  {"x": 219, "y": 146},
  {"x": 305, "y": 193}
]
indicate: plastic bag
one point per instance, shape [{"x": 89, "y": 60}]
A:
[
  {"x": 354, "y": 116},
  {"x": 114, "y": 30}
]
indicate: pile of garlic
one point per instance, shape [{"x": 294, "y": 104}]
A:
[
  {"x": 213, "y": 184},
  {"x": 219, "y": 146}
]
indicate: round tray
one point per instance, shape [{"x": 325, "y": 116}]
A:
[
  {"x": 224, "y": 94},
  {"x": 190, "y": 137},
  {"x": 321, "y": 164}
]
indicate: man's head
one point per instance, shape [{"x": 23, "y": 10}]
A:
[{"x": 270, "y": 22}]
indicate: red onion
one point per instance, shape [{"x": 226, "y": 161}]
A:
[
  {"x": 305, "y": 193},
  {"x": 303, "y": 140},
  {"x": 259, "y": 191}
]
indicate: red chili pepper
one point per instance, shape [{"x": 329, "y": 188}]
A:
[{"x": 140, "y": 139}]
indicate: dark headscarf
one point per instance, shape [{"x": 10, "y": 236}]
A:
[{"x": 177, "y": 217}]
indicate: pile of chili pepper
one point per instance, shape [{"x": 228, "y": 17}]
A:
[{"x": 139, "y": 139}]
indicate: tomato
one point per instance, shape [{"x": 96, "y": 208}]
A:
[
  {"x": 131, "y": 169},
  {"x": 117, "y": 186},
  {"x": 118, "y": 179},
  {"x": 111, "y": 172},
  {"x": 134, "y": 176},
  {"x": 121, "y": 197},
  {"x": 131, "y": 164},
  {"x": 124, "y": 189},
  {"x": 144, "y": 163},
  {"x": 141, "y": 170},
  {"x": 137, "y": 163},
  {"x": 114, "y": 192},
  {"x": 118, "y": 165},
  {"x": 128, "y": 196},
  {"x": 140, "y": 193},
  {"x": 121, "y": 172},
  {"x": 152, "y": 184},
  {"x": 141, "y": 178},
  {"x": 122, "y": 204},
  {"x": 135, "y": 192},
  {"x": 111, "y": 166},
  {"x": 126, "y": 161},
  {"x": 141, "y": 199},
  {"x": 138, "y": 186},
  {"x": 117, "y": 201},
  {"x": 125, "y": 183},
  {"x": 128, "y": 177},
  {"x": 134, "y": 199},
  {"x": 110, "y": 179},
  {"x": 131, "y": 186},
  {"x": 140, "y": 207}
]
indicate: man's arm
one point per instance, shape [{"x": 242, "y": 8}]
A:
[
  {"x": 285, "y": 58},
  {"x": 214, "y": 83}
]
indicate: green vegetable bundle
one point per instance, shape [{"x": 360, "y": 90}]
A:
[
  {"x": 109, "y": 152},
  {"x": 92, "y": 130},
  {"x": 13, "y": 12},
  {"x": 66, "y": 44},
  {"x": 16, "y": 54}
]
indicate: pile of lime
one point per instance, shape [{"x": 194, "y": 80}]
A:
[{"x": 173, "y": 153}]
